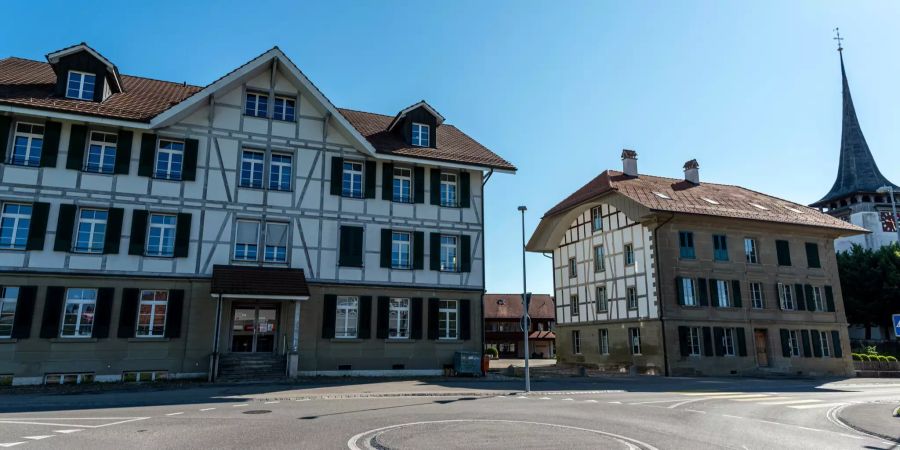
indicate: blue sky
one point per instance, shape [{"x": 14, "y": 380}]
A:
[{"x": 750, "y": 89}]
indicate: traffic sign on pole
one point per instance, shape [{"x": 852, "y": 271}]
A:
[{"x": 896, "y": 321}]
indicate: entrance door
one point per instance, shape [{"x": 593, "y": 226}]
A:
[
  {"x": 762, "y": 347},
  {"x": 253, "y": 329}
]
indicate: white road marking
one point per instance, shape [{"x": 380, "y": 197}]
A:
[
  {"x": 695, "y": 411},
  {"x": 733, "y": 417},
  {"x": 270, "y": 403},
  {"x": 41, "y": 421},
  {"x": 239, "y": 404},
  {"x": 545, "y": 398},
  {"x": 522, "y": 397},
  {"x": 174, "y": 414},
  {"x": 737, "y": 396},
  {"x": 207, "y": 409},
  {"x": 11, "y": 444},
  {"x": 568, "y": 399},
  {"x": 590, "y": 401},
  {"x": 758, "y": 399},
  {"x": 615, "y": 403},
  {"x": 791, "y": 402},
  {"x": 708, "y": 394},
  {"x": 37, "y": 438},
  {"x": 852, "y": 436},
  {"x": 67, "y": 431},
  {"x": 657, "y": 401},
  {"x": 817, "y": 405}
]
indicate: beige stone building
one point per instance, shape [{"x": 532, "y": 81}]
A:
[{"x": 682, "y": 277}]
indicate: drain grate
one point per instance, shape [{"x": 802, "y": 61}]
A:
[{"x": 257, "y": 411}]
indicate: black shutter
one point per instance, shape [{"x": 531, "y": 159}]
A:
[
  {"x": 138, "y": 232},
  {"x": 24, "y": 312},
  {"x": 683, "y": 342},
  {"x": 799, "y": 301},
  {"x": 829, "y": 298},
  {"x": 369, "y": 175},
  {"x": 337, "y": 180},
  {"x": 810, "y": 301},
  {"x": 433, "y": 305},
  {"x": 707, "y": 341},
  {"x": 465, "y": 200},
  {"x": 50, "y": 147},
  {"x": 189, "y": 165},
  {"x": 328, "y": 316},
  {"x": 350, "y": 253},
  {"x": 704, "y": 298},
  {"x": 382, "y": 319},
  {"x": 435, "y": 256},
  {"x": 174, "y": 312},
  {"x": 415, "y": 318},
  {"x": 385, "y": 247},
  {"x": 418, "y": 250},
  {"x": 182, "y": 235},
  {"x": 128, "y": 312},
  {"x": 387, "y": 181},
  {"x": 418, "y": 185},
  {"x": 679, "y": 289},
  {"x": 784, "y": 253},
  {"x": 785, "y": 343},
  {"x": 77, "y": 143},
  {"x": 812, "y": 255},
  {"x": 837, "y": 352},
  {"x": 364, "y": 327},
  {"x": 465, "y": 320},
  {"x": 713, "y": 293},
  {"x": 807, "y": 349},
  {"x": 778, "y": 296},
  {"x": 736, "y": 294},
  {"x": 103, "y": 313},
  {"x": 37, "y": 229},
  {"x": 53, "y": 305},
  {"x": 123, "y": 152},
  {"x": 148, "y": 155},
  {"x": 113, "y": 230},
  {"x": 65, "y": 228},
  {"x": 465, "y": 253},
  {"x": 741, "y": 342},
  {"x": 5, "y": 127},
  {"x": 718, "y": 335},
  {"x": 435, "y": 186},
  {"x": 816, "y": 343}
]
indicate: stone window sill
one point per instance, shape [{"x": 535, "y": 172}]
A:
[
  {"x": 400, "y": 341},
  {"x": 148, "y": 339},
  {"x": 8, "y": 341},
  {"x": 449, "y": 341},
  {"x": 346, "y": 340},
  {"x": 73, "y": 340}
]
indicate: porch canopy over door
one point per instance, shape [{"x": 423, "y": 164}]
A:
[{"x": 259, "y": 283}]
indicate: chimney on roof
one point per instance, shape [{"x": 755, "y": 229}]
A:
[
  {"x": 629, "y": 162},
  {"x": 692, "y": 171}
]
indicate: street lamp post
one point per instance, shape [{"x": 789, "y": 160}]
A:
[
  {"x": 525, "y": 318},
  {"x": 890, "y": 191}
]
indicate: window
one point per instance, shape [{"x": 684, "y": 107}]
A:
[
  {"x": 631, "y": 297},
  {"x": 826, "y": 350},
  {"x": 728, "y": 341},
  {"x": 421, "y": 135},
  {"x": 722, "y": 294},
  {"x": 151, "y": 321},
  {"x": 784, "y": 253},
  {"x": 80, "y": 85},
  {"x": 14, "y": 222},
  {"x": 695, "y": 337},
  {"x": 27, "y": 144},
  {"x": 750, "y": 251},
  {"x": 68, "y": 378},
  {"x": 402, "y": 185},
  {"x": 599, "y": 263},
  {"x": 169, "y": 159},
  {"x": 280, "y": 172},
  {"x": 352, "y": 180},
  {"x": 346, "y": 317},
  {"x": 398, "y": 319},
  {"x": 629, "y": 254},
  {"x": 9, "y": 295},
  {"x": 603, "y": 334},
  {"x": 91, "y": 231},
  {"x": 756, "y": 296},
  {"x": 812, "y": 256},
  {"x": 634, "y": 336},
  {"x": 574, "y": 307},
  {"x": 400, "y": 244},
  {"x": 576, "y": 342},
  {"x": 787, "y": 296},
  {"x": 448, "y": 189},
  {"x": 602, "y": 299},
  {"x": 101, "y": 155},
  {"x": 449, "y": 261},
  {"x": 688, "y": 291},
  {"x": 144, "y": 376},
  {"x": 596, "y": 219},
  {"x": 720, "y": 247},
  {"x": 251, "y": 169},
  {"x": 284, "y": 109},
  {"x": 246, "y": 240},
  {"x": 78, "y": 314},
  {"x": 276, "y": 242},
  {"x": 257, "y": 104},
  {"x": 794, "y": 342},
  {"x": 818, "y": 299},
  {"x": 161, "y": 239},
  {"x": 686, "y": 245},
  {"x": 448, "y": 320},
  {"x": 573, "y": 272}
]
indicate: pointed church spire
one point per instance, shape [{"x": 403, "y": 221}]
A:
[{"x": 857, "y": 171}]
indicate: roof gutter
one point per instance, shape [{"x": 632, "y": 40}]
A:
[{"x": 74, "y": 117}]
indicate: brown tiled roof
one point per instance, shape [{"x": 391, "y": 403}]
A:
[
  {"x": 249, "y": 280},
  {"x": 688, "y": 198},
  {"x": 542, "y": 335},
  {"x": 452, "y": 144},
  {"x": 541, "y": 306},
  {"x": 32, "y": 83}
]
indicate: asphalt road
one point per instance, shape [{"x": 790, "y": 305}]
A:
[{"x": 625, "y": 413}]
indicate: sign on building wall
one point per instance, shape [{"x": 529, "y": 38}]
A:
[{"x": 888, "y": 224}]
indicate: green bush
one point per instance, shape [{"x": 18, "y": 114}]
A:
[
  {"x": 855, "y": 356},
  {"x": 492, "y": 352},
  {"x": 891, "y": 358},
  {"x": 872, "y": 350},
  {"x": 864, "y": 357}
]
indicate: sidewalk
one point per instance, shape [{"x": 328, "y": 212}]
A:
[{"x": 873, "y": 418}]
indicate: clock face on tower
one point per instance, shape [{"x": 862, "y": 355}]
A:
[{"x": 888, "y": 224}]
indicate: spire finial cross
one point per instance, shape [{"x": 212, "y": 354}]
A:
[{"x": 838, "y": 38}]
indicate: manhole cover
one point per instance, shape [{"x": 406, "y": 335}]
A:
[{"x": 257, "y": 411}]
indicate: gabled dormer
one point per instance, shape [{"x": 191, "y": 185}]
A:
[
  {"x": 417, "y": 125},
  {"x": 84, "y": 74}
]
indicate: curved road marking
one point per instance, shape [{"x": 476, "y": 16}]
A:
[{"x": 631, "y": 443}]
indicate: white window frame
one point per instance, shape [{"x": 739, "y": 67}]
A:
[
  {"x": 757, "y": 298},
  {"x": 573, "y": 269},
  {"x": 818, "y": 299},
  {"x": 353, "y": 169},
  {"x": 786, "y": 297},
  {"x": 688, "y": 287},
  {"x": 81, "y": 85},
  {"x": 161, "y": 250},
  {"x": 596, "y": 219},
  {"x": 634, "y": 338},
  {"x": 34, "y": 143},
  {"x": 399, "y": 318},
  {"x": 631, "y": 297},
  {"x": 284, "y": 109},
  {"x": 448, "y": 316},
  {"x": 421, "y": 134},
  {"x": 723, "y": 292},
  {"x": 152, "y": 331},
  {"x": 602, "y": 299},
  {"x": 574, "y": 305},
  {"x": 695, "y": 341},
  {"x": 629, "y": 254},
  {"x": 267, "y": 245},
  {"x": 603, "y": 335},
  {"x": 401, "y": 250},
  {"x": 751, "y": 251},
  {"x": 401, "y": 191},
  {"x": 21, "y": 223},
  {"x": 346, "y": 327},
  {"x": 576, "y": 342},
  {"x": 170, "y": 148},
  {"x": 599, "y": 261},
  {"x": 281, "y": 172},
  {"x": 449, "y": 189},
  {"x": 107, "y": 143},
  {"x": 9, "y": 298},
  {"x": 246, "y": 246},
  {"x": 92, "y": 223},
  {"x": 449, "y": 253},
  {"x": 794, "y": 343},
  {"x": 80, "y": 313},
  {"x": 256, "y": 159},
  {"x": 256, "y": 105},
  {"x": 728, "y": 342},
  {"x": 824, "y": 341}
]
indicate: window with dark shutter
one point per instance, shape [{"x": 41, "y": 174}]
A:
[
  {"x": 799, "y": 301},
  {"x": 836, "y": 350},
  {"x": 704, "y": 292},
  {"x": 434, "y": 305},
  {"x": 53, "y": 304},
  {"x": 369, "y": 178},
  {"x": 465, "y": 194},
  {"x": 418, "y": 185},
  {"x": 785, "y": 343},
  {"x": 337, "y": 175},
  {"x": 435, "y": 249},
  {"x": 148, "y": 155},
  {"x": 24, "y": 312},
  {"x": 812, "y": 256},
  {"x": 364, "y": 325},
  {"x": 714, "y": 293},
  {"x": 65, "y": 227},
  {"x": 128, "y": 312},
  {"x": 138, "y": 232},
  {"x": 113, "y": 231},
  {"x": 829, "y": 298},
  {"x": 465, "y": 320},
  {"x": 5, "y": 127},
  {"x": 50, "y": 148},
  {"x": 707, "y": 342},
  {"x": 182, "y": 235},
  {"x": 741, "y": 342},
  {"x": 123, "y": 152},
  {"x": 816, "y": 343},
  {"x": 328, "y": 316},
  {"x": 435, "y": 186},
  {"x": 679, "y": 289},
  {"x": 387, "y": 181},
  {"x": 37, "y": 229},
  {"x": 382, "y": 319},
  {"x": 189, "y": 164},
  {"x": 810, "y": 297},
  {"x": 385, "y": 256},
  {"x": 807, "y": 345},
  {"x": 683, "y": 341},
  {"x": 415, "y": 318},
  {"x": 350, "y": 253},
  {"x": 174, "y": 312},
  {"x": 418, "y": 250},
  {"x": 736, "y": 294},
  {"x": 783, "y": 250},
  {"x": 718, "y": 340},
  {"x": 465, "y": 253},
  {"x": 77, "y": 144},
  {"x": 103, "y": 313}
]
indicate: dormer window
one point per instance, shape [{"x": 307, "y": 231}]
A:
[
  {"x": 257, "y": 104},
  {"x": 81, "y": 85},
  {"x": 421, "y": 135}
]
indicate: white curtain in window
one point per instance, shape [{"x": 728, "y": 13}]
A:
[
  {"x": 276, "y": 234},
  {"x": 247, "y": 232}
]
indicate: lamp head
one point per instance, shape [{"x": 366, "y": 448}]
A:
[
  {"x": 884, "y": 189},
  {"x": 522, "y": 208}
]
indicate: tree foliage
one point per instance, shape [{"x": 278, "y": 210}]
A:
[{"x": 870, "y": 283}]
